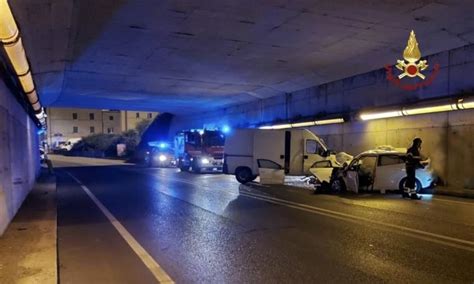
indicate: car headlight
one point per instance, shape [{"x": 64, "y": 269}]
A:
[
  {"x": 204, "y": 161},
  {"x": 162, "y": 158}
]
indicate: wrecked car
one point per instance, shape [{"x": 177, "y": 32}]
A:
[{"x": 375, "y": 170}]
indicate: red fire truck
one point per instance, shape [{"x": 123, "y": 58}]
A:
[{"x": 200, "y": 150}]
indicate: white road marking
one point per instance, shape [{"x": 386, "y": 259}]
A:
[
  {"x": 161, "y": 177},
  {"x": 160, "y": 275},
  {"x": 424, "y": 235}
]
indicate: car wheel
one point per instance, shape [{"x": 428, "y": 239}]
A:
[
  {"x": 182, "y": 167},
  {"x": 244, "y": 175},
  {"x": 196, "y": 169},
  {"x": 418, "y": 186},
  {"x": 338, "y": 185}
]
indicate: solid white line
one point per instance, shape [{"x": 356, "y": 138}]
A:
[
  {"x": 432, "y": 237},
  {"x": 160, "y": 275}
]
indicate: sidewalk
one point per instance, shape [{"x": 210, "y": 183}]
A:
[
  {"x": 71, "y": 161},
  {"x": 28, "y": 248},
  {"x": 451, "y": 191}
]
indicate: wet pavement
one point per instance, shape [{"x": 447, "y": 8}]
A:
[{"x": 207, "y": 228}]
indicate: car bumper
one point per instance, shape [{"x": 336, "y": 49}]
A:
[{"x": 212, "y": 169}]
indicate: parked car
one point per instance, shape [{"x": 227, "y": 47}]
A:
[
  {"x": 69, "y": 144},
  {"x": 374, "y": 170},
  {"x": 42, "y": 155},
  {"x": 159, "y": 157}
]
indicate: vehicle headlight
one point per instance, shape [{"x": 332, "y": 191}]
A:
[
  {"x": 162, "y": 158},
  {"x": 205, "y": 161}
]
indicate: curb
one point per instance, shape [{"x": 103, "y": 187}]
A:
[{"x": 465, "y": 193}]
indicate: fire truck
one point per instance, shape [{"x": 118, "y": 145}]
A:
[{"x": 200, "y": 150}]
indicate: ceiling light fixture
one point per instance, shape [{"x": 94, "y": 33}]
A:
[
  {"x": 329, "y": 121},
  {"x": 304, "y": 124},
  {"x": 13, "y": 46},
  {"x": 8, "y": 28},
  {"x": 408, "y": 111}
]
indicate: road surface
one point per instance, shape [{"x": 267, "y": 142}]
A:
[{"x": 120, "y": 223}]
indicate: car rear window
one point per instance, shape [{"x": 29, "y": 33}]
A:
[{"x": 387, "y": 160}]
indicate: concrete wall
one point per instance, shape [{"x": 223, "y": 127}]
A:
[
  {"x": 19, "y": 156},
  {"x": 447, "y": 140},
  {"x": 448, "y": 135}
]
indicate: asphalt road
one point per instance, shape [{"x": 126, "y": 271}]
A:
[{"x": 202, "y": 228}]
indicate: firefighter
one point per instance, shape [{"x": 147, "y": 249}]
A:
[{"x": 413, "y": 162}]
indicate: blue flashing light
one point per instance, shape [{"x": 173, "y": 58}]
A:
[
  {"x": 163, "y": 145},
  {"x": 226, "y": 129}
]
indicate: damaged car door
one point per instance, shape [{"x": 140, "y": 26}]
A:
[
  {"x": 350, "y": 176},
  {"x": 322, "y": 170},
  {"x": 270, "y": 172}
]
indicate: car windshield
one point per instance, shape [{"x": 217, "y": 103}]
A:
[
  {"x": 213, "y": 138},
  {"x": 323, "y": 143},
  {"x": 158, "y": 150}
]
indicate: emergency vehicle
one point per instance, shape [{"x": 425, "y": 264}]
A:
[{"x": 200, "y": 150}]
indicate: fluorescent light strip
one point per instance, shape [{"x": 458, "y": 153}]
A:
[
  {"x": 36, "y": 106},
  {"x": 281, "y": 126},
  {"x": 379, "y": 115},
  {"x": 461, "y": 104},
  {"x": 17, "y": 55},
  {"x": 13, "y": 46},
  {"x": 32, "y": 97},
  {"x": 8, "y": 29},
  {"x": 329, "y": 121},
  {"x": 304, "y": 124},
  {"x": 467, "y": 105},
  {"x": 26, "y": 82},
  {"x": 424, "y": 110}
]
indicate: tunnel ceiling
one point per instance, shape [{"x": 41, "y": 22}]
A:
[{"x": 198, "y": 55}]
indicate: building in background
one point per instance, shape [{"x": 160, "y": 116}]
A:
[
  {"x": 130, "y": 119},
  {"x": 68, "y": 123}
]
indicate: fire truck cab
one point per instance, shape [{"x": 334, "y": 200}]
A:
[{"x": 200, "y": 150}]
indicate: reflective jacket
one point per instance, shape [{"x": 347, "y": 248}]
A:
[{"x": 413, "y": 158}]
